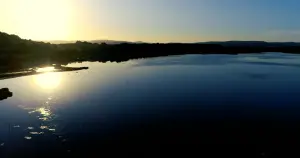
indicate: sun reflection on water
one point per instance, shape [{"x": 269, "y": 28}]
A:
[
  {"x": 46, "y": 123},
  {"x": 45, "y": 114},
  {"x": 45, "y": 69},
  {"x": 44, "y": 111},
  {"x": 48, "y": 80}
]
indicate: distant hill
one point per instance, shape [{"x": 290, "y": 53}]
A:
[
  {"x": 59, "y": 42},
  {"x": 109, "y": 41},
  {"x": 114, "y": 42},
  {"x": 253, "y": 43},
  {"x": 93, "y": 41},
  {"x": 223, "y": 43}
]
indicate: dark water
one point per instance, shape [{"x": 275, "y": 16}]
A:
[{"x": 143, "y": 106}]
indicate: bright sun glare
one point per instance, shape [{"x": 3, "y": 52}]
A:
[
  {"x": 48, "y": 80},
  {"x": 46, "y": 69},
  {"x": 44, "y": 19}
]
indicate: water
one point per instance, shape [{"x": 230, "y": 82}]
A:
[{"x": 220, "y": 99}]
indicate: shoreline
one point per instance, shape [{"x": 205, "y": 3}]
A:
[{"x": 4, "y": 76}]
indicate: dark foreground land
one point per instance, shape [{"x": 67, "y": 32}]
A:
[{"x": 17, "y": 53}]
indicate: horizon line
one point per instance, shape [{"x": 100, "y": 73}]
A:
[{"x": 138, "y": 41}]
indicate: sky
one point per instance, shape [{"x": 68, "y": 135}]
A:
[{"x": 152, "y": 20}]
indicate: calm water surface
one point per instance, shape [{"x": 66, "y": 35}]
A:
[{"x": 190, "y": 98}]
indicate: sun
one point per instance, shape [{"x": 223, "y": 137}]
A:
[
  {"x": 44, "y": 19},
  {"x": 48, "y": 81}
]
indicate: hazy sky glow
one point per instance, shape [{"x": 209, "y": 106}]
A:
[{"x": 152, "y": 20}]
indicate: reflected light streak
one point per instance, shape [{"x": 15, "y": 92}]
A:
[{"x": 45, "y": 69}]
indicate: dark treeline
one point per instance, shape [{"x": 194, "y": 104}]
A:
[{"x": 17, "y": 53}]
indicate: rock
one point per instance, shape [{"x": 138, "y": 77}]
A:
[{"x": 5, "y": 93}]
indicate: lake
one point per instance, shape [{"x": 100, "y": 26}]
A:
[{"x": 125, "y": 107}]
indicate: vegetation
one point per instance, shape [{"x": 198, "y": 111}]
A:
[{"x": 17, "y": 53}]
